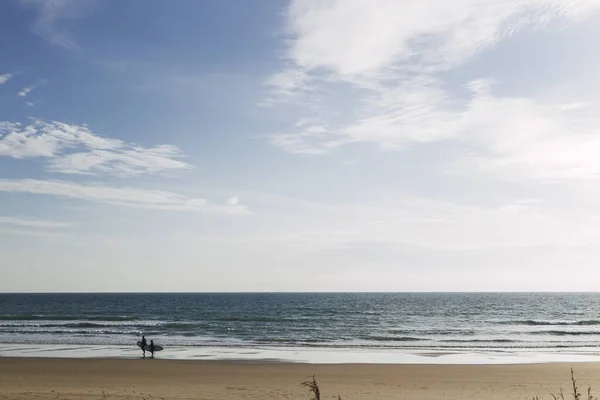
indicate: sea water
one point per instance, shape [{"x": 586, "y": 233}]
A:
[{"x": 359, "y": 327}]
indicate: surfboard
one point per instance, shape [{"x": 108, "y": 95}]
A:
[{"x": 147, "y": 348}]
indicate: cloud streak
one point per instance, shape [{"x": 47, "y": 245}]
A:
[
  {"x": 120, "y": 196},
  {"x": 33, "y": 223},
  {"x": 30, "y": 232},
  {"x": 75, "y": 149},
  {"x": 5, "y": 78},
  {"x": 26, "y": 90},
  {"x": 415, "y": 222},
  {"x": 53, "y": 17}
]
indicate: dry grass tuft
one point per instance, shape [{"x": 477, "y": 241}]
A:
[
  {"x": 575, "y": 391},
  {"x": 313, "y": 388},
  {"x": 576, "y": 394}
]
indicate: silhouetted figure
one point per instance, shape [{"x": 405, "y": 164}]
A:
[
  {"x": 152, "y": 348},
  {"x": 144, "y": 343}
]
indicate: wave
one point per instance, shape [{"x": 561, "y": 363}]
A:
[
  {"x": 251, "y": 319},
  {"x": 394, "y": 338},
  {"x": 179, "y": 325},
  {"x": 76, "y": 324},
  {"x": 566, "y": 333},
  {"x": 531, "y": 322},
  {"x": 479, "y": 341},
  {"x": 84, "y": 325},
  {"x": 434, "y": 332},
  {"x": 63, "y": 332},
  {"x": 42, "y": 317}
]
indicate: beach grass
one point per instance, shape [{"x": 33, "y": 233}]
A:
[
  {"x": 575, "y": 391},
  {"x": 315, "y": 391}
]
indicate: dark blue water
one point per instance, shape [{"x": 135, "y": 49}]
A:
[{"x": 413, "y": 321}]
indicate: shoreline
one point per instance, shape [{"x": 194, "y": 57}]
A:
[
  {"x": 331, "y": 356},
  {"x": 70, "y": 379}
]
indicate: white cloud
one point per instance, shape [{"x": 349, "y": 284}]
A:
[
  {"x": 32, "y": 223},
  {"x": 75, "y": 149},
  {"x": 305, "y": 142},
  {"x": 286, "y": 85},
  {"x": 531, "y": 139},
  {"x": 32, "y": 227},
  {"x": 5, "y": 78},
  {"x": 385, "y": 59},
  {"x": 412, "y": 222},
  {"x": 350, "y": 37},
  {"x": 25, "y": 91},
  {"x": 29, "y": 232},
  {"x": 53, "y": 17},
  {"x": 118, "y": 196},
  {"x": 233, "y": 201},
  {"x": 6, "y": 126},
  {"x": 512, "y": 135}
]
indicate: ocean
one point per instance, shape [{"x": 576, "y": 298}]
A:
[{"x": 357, "y": 323}]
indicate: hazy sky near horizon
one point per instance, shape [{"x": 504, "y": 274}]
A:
[{"x": 304, "y": 145}]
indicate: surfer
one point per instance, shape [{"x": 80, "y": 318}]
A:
[
  {"x": 152, "y": 348},
  {"x": 143, "y": 345}
]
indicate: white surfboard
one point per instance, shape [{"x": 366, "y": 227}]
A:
[{"x": 147, "y": 348}]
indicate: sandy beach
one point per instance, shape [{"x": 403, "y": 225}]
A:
[{"x": 30, "y": 378}]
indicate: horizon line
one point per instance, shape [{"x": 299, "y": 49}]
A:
[{"x": 317, "y": 292}]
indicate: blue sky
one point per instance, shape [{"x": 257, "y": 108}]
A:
[{"x": 299, "y": 145}]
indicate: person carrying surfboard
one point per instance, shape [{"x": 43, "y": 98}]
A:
[
  {"x": 152, "y": 348},
  {"x": 143, "y": 345}
]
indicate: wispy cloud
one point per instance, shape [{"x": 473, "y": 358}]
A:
[
  {"x": 32, "y": 223},
  {"x": 120, "y": 196},
  {"x": 233, "y": 201},
  {"x": 28, "y": 89},
  {"x": 25, "y": 91},
  {"x": 32, "y": 227},
  {"x": 5, "y": 78},
  {"x": 75, "y": 149},
  {"x": 53, "y": 17},
  {"x": 391, "y": 91},
  {"x": 30, "y": 232},
  {"x": 537, "y": 140},
  {"x": 350, "y": 162},
  {"x": 391, "y": 34},
  {"x": 427, "y": 223}
]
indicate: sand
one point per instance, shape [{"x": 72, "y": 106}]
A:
[{"x": 30, "y": 378}]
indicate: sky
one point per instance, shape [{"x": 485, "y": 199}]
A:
[{"x": 302, "y": 145}]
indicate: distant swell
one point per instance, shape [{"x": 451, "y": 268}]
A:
[
  {"x": 566, "y": 333},
  {"x": 479, "y": 341},
  {"x": 394, "y": 339},
  {"x": 531, "y": 322},
  {"x": 345, "y": 320},
  {"x": 73, "y": 332},
  {"x": 249, "y": 319},
  {"x": 180, "y": 325},
  {"x": 41, "y": 317}
]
